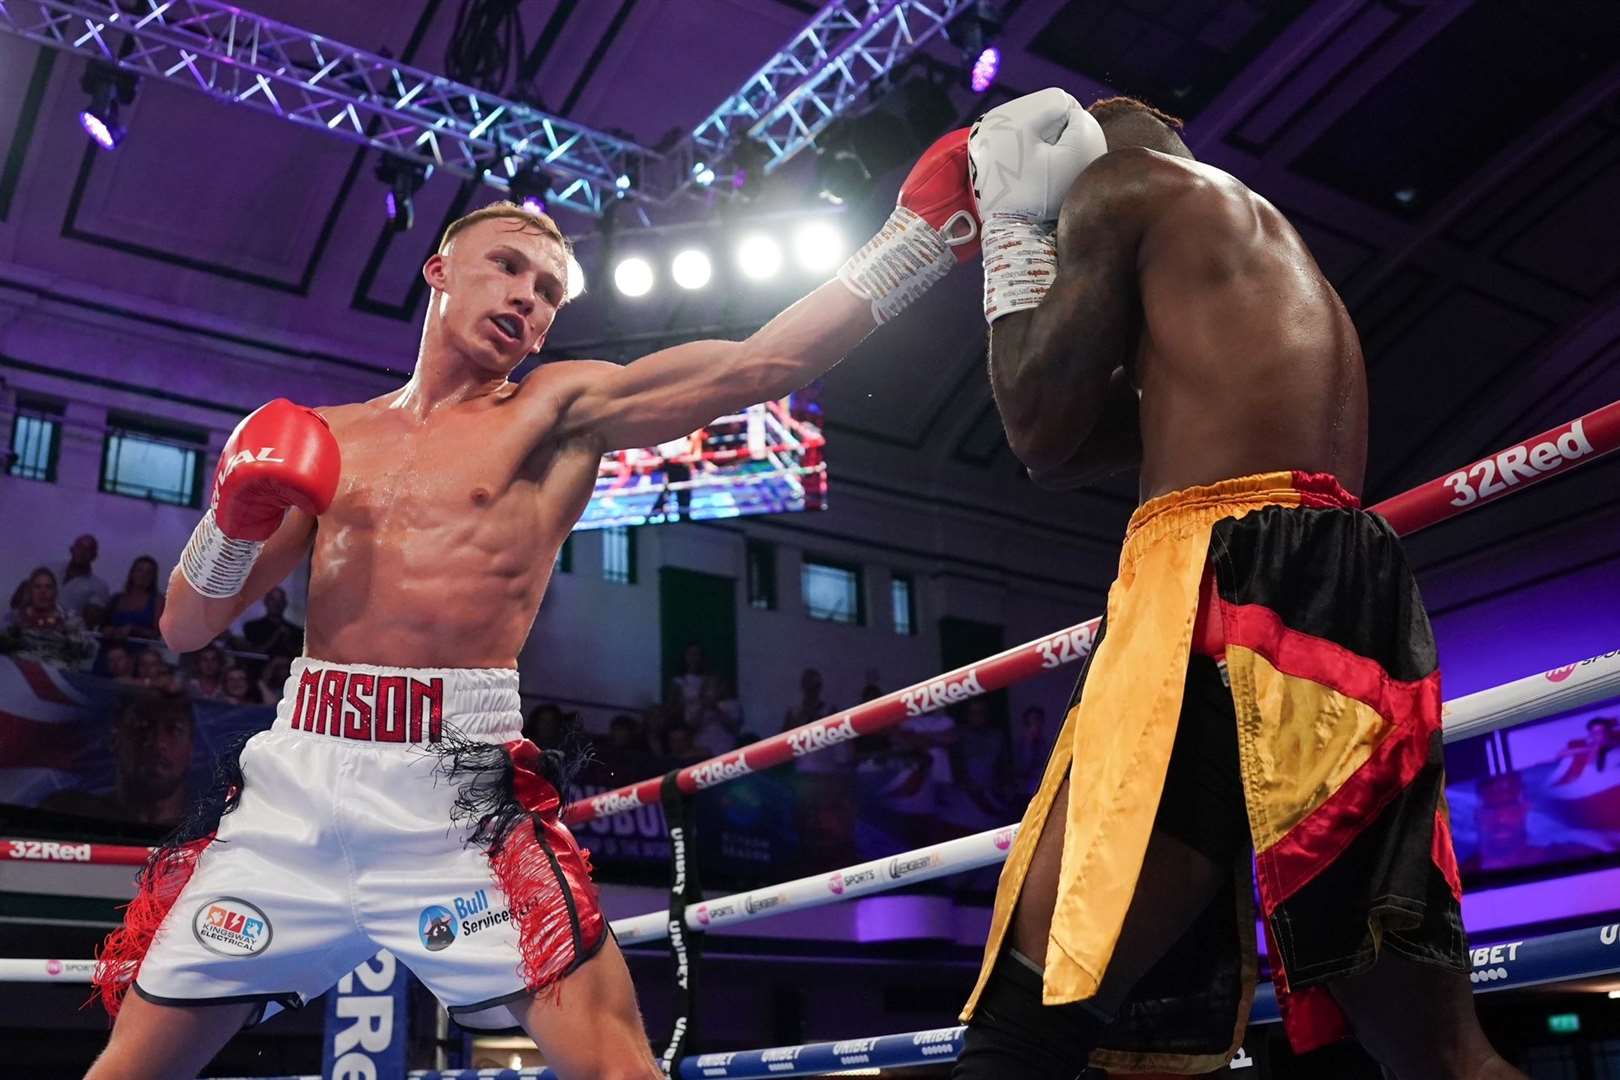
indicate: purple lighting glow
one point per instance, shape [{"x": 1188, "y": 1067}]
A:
[
  {"x": 985, "y": 69},
  {"x": 107, "y": 136},
  {"x": 534, "y": 204}
]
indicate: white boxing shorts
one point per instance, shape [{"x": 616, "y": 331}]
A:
[{"x": 348, "y": 838}]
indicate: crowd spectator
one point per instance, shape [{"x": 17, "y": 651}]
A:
[
  {"x": 719, "y": 718},
  {"x": 655, "y": 721},
  {"x": 117, "y": 663},
  {"x": 207, "y": 678},
  {"x": 544, "y": 726},
  {"x": 686, "y": 689},
  {"x": 38, "y": 628},
  {"x": 135, "y": 611},
  {"x": 982, "y": 756},
  {"x": 82, "y": 592},
  {"x": 273, "y": 679},
  {"x": 1029, "y": 750},
  {"x": 155, "y": 673},
  {"x": 682, "y": 751},
  {"x": 273, "y": 633},
  {"x": 237, "y": 687}
]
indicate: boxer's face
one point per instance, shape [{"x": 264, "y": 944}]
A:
[{"x": 498, "y": 289}]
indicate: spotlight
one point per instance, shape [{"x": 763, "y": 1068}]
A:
[
  {"x": 529, "y": 188},
  {"x": 633, "y": 276},
  {"x": 759, "y": 257},
  {"x": 974, "y": 33},
  {"x": 702, "y": 174},
  {"x": 621, "y": 184},
  {"x": 818, "y": 246},
  {"x": 576, "y": 278},
  {"x": 984, "y": 69},
  {"x": 108, "y": 88},
  {"x": 691, "y": 269},
  {"x": 404, "y": 179}
]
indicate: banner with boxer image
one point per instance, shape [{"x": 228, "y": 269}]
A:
[
  {"x": 1538, "y": 795},
  {"x": 101, "y": 749}
]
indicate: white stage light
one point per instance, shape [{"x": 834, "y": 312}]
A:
[
  {"x": 576, "y": 277},
  {"x": 818, "y": 246},
  {"x": 633, "y": 276},
  {"x": 759, "y": 257},
  {"x": 691, "y": 269}
]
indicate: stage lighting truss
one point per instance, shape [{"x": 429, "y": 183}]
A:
[
  {"x": 826, "y": 68},
  {"x": 759, "y": 461},
  {"x": 248, "y": 60}
]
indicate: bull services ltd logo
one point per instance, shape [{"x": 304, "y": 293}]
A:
[
  {"x": 231, "y": 926},
  {"x": 436, "y": 927}
]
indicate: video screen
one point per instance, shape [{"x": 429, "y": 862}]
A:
[{"x": 766, "y": 459}]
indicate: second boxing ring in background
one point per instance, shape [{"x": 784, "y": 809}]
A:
[{"x": 1572, "y": 954}]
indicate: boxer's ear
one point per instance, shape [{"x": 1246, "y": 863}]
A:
[{"x": 436, "y": 271}]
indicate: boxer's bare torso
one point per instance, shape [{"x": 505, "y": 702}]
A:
[
  {"x": 1230, "y": 353},
  {"x": 440, "y": 542}
]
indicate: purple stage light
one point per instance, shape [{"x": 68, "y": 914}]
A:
[
  {"x": 985, "y": 69},
  {"x": 393, "y": 206},
  {"x": 534, "y": 204},
  {"x": 107, "y": 135}
]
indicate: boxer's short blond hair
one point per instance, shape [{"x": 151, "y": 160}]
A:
[{"x": 528, "y": 219}]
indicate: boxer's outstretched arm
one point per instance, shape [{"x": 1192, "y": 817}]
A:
[
  {"x": 1050, "y": 367},
  {"x": 191, "y": 620},
  {"x": 675, "y": 391}
]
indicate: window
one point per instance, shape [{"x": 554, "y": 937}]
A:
[
  {"x": 152, "y": 463},
  {"x": 904, "y": 602},
  {"x": 36, "y": 440},
  {"x": 832, "y": 591},
  {"x": 619, "y": 555},
  {"x": 761, "y": 575}
]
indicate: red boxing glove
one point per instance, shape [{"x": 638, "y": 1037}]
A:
[
  {"x": 938, "y": 189},
  {"x": 933, "y": 228},
  {"x": 280, "y": 455}
]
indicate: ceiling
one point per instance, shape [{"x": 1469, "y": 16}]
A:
[{"x": 1455, "y": 167}]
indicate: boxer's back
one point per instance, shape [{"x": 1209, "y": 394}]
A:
[
  {"x": 1247, "y": 361},
  {"x": 439, "y": 544}
]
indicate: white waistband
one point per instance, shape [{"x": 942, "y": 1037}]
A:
[{"x": 386, "y": 706}]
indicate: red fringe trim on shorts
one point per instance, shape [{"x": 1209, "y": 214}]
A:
[{"x": 118, "y": 960}]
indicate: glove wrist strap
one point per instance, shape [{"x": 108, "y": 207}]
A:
[
  {"x": 905, "y": 259},
  {"x": 1020, "y": 262},
  {"x": 214, "y": 564}
]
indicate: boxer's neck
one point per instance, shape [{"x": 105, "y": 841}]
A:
[{"x": 444, "y": 378}]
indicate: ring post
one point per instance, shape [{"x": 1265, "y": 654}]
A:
[{"x": 685, "y": 944}]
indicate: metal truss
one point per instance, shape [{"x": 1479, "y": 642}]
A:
[
  {"x": 244, "y": 59},
  {"x": 847, "y": 47}
]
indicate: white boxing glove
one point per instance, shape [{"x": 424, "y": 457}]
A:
[{"x": 1023, "y": 158}]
